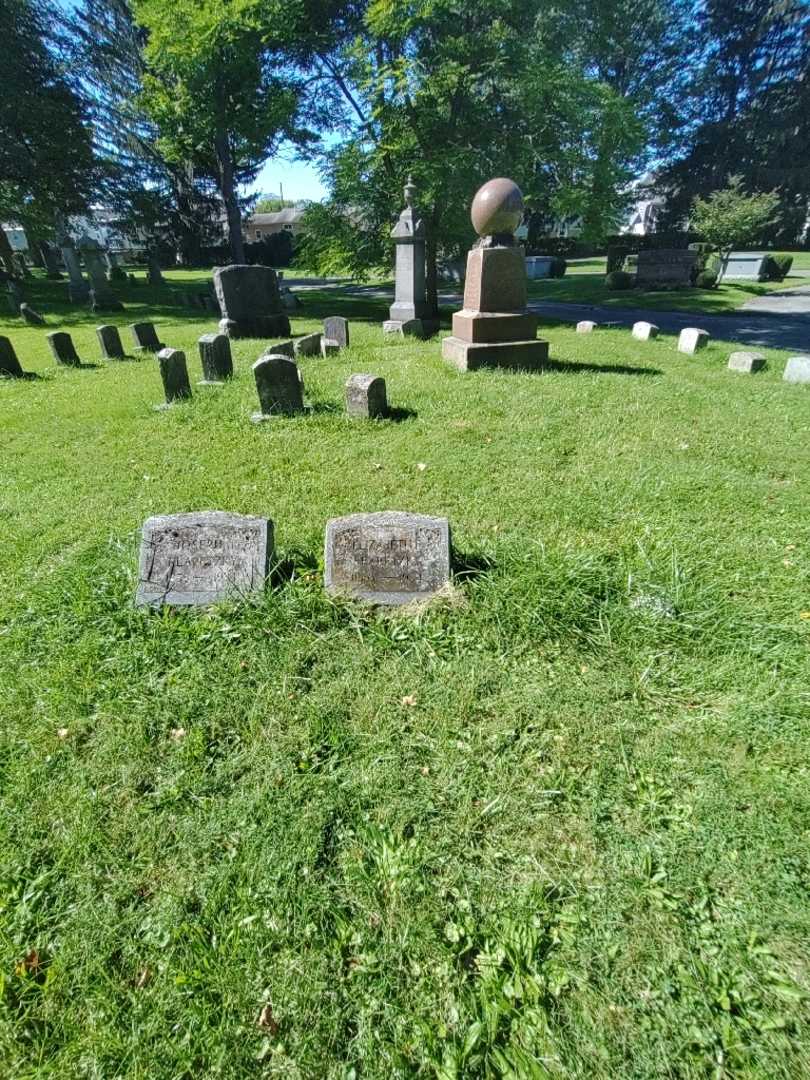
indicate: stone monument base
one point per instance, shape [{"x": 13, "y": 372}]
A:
[
  {"x": 262, "y": 327},
  {"x": 494, "y": 326},
  {"x": 420, "y": 328},
  {"x": 512, "y": 355}
]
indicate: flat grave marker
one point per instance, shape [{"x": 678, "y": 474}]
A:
[{"x": 202, "y": 558}]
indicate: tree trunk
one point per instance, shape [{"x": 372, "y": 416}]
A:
[
  {"x": 227, "y": 189},
  {"x": 188, "y": 228}
]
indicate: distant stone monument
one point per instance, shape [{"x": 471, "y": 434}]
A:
[
  {"x": 387, "y": 558},
  {"x": 797, "y": 370},
  {"x": 691, "y": 338},
  {"x": 494, "y": 329},
  {"x": 51, "y": 262},
  {"x": 745, "y": 266},
  {"x": 278, "y": 386},
  {"x": 203, "y": 558},
  {"x": 15, "y": 295},
  {"x": 63, "y": 349},
  {"x": 215, "y": 358},
  {"x": 538, "y": 266},
  {"x": 586, "y": 326},
  {"x": 154, "y": 275},
  {"x": 145, "y": 337},
  {"x": 674, "y": 267},
  {"x": 249, "y": 302},
  {"x": 365, "y": 397},
  {"x": 9, "y": 364},
  {"x": 102, "y": 298},
  {"x": 747, "y": 362},
  {"x": 110, "y": 341},
  {"x": 409, "y": 313},
  {"x": 33, "y": 318},
  {"x": 174, "y": 374},
  {"x": 78, "y": 289}
]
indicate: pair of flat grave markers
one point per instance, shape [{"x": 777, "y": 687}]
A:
[{"x": 389, "y": 558}]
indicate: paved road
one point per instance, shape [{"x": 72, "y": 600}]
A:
[{"x": 780, "y": 320}]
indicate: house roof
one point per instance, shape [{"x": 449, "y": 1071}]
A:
[{"x": 290, "y": 215}]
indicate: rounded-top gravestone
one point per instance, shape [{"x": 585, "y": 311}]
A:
[{"x": 497, "y": 207}]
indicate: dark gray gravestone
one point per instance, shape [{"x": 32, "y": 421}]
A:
[
  {"x": 278, "y": 386},
  {"x": 365, "y": 397},
  {"x": 284, "y": 348},
  {"x": 667, "y": 266},
  {"x": 215, "y": 357},
  {"x": 202, "y": 558},
  {"x": 336, "y": 328},
  {"x": 9, "y": 364},
  {"x": 387, "y": 558},
  {"x": 174, "y": 373},
  {"x": 110, "y": 341},
  {"x": 308, "y": 345},
  {"x": 249, "y": 302},
  {"x": 33, "y": 318},
  {"x": 63, "y": 349},
  {"x": 145, "y": 337}
]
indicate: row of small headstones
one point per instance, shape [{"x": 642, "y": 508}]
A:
[{"x": 692, "y": 338}]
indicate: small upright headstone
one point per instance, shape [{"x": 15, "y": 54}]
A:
[
  {"x": 336, "y": 329},
  {"x": 9, "y": 364},
  {"x": 102, "y": 298},
  {"x": 33, "y": 318},
  {"x": 15, "y": 295},
  {"x": 63, "y": 349},
  {"x": 387, "y": 558},
  {"x": 283, "y": 348},
  {"x": 644, "y": 331},
  {"x": 748, "y": 362},
  {"x": 365, "y": 397},
  {"x": 329, "y": 347},
  {"x": 797, "y": 370},
  {"x": 278, "y": 386},
  {"x": 249, "y": 302},
  {"x": 203, "y": 558},
  {"x": 174, "y": 373},
  {"x": 586, "y": 327},
  {"x": 308, "y": 345},
  {"x": 154, "y": 275},
  {"x": 691, "y": 339},
  {"x": 145, "y": 337},
  {"x": 215, "y": 357},
  {"x": 110, "y": 341}
]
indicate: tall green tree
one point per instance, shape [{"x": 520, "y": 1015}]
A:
[
  {"x": 46, "y": 158},
  {"x": 749, "y": 104},
  {"x": 219, "y": 90}
]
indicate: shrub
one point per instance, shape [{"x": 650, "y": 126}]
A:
[
  {"x": 777, "y": 267},
  {"x": 706, "y": 279},
  {"x": 558, "y": 267},
  {"x": 619, "y": 279}
]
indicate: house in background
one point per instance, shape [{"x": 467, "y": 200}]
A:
[{"x": 257, "y": 226}]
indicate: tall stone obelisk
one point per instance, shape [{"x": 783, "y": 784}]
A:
[
  {"x": 494, "y": 328},
  {"x": 409, "y": 312}
]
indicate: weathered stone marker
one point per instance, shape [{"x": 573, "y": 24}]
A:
[
  {"x": 745, "y": 265},
  {"x": 336, "y": 329},
  {"x": 409, "y": 314},
  {"x": 249, "y": 302},
  {"x": 9, "y": 364},
  {"x": 308, "y": 345},
  {"x": 667, "y": 266},
  {"x": 215, "y": 357},
  {"x": 110, "y": 341},
  {"x": 278, "y": 386},
  {"x": 145, "y": 337},
  {"x": 329, "y": 347},
  {"x": 284, "y": 348},
  {"x": 203, "y": 558},
  {"x": 365, "y": 397},
  {"x": 748, "y": 362},
  {"x": 494, "y": 329},
  {"x": 388, "y": 558},
  {"x": 33, "y": 318},
  {"x": 102, "y": 298},
  {"x": 586, "y": 327},
  {"x": 174, "y": 373},
  {"x": 63, "y": 349},
  {"x": 644, "y": 331},
  {"x": 797, "y": 370},
  {"x": 691, "y": 339}
]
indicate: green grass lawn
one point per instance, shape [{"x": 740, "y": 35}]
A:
[
  {"x": 554, "y": 826},
  {"x": 584, "y": 287}
]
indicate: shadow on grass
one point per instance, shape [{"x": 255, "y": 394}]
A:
[
  {"x": 295, "y": 562},
  {"x": 397, "y": 414},
  {"x": 22, "y": 376},
  {"x": 576, "y": 367},
  {"x": 468, "y": 567}
]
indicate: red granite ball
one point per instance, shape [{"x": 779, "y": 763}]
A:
[{"x": 497, "y": 207}]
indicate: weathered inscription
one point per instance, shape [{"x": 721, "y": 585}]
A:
[
  {"x": 389, "y": 558},
  {"x": 667, "y": 266},
  {"x": 201, "y": 558}
]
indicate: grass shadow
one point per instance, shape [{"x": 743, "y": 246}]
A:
[
  {"x": 22, "y": 376},
  {"x": 295, "y": 562},
  {"x": 575, "y": 367},
  {"x": 468, "y": 567},
  {"x": 396, "y": 414}
]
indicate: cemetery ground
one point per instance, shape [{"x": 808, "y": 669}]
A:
[{"x": 554, "y": 825}]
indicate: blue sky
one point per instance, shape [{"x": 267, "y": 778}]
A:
[{"x": 299, "y": 179}]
